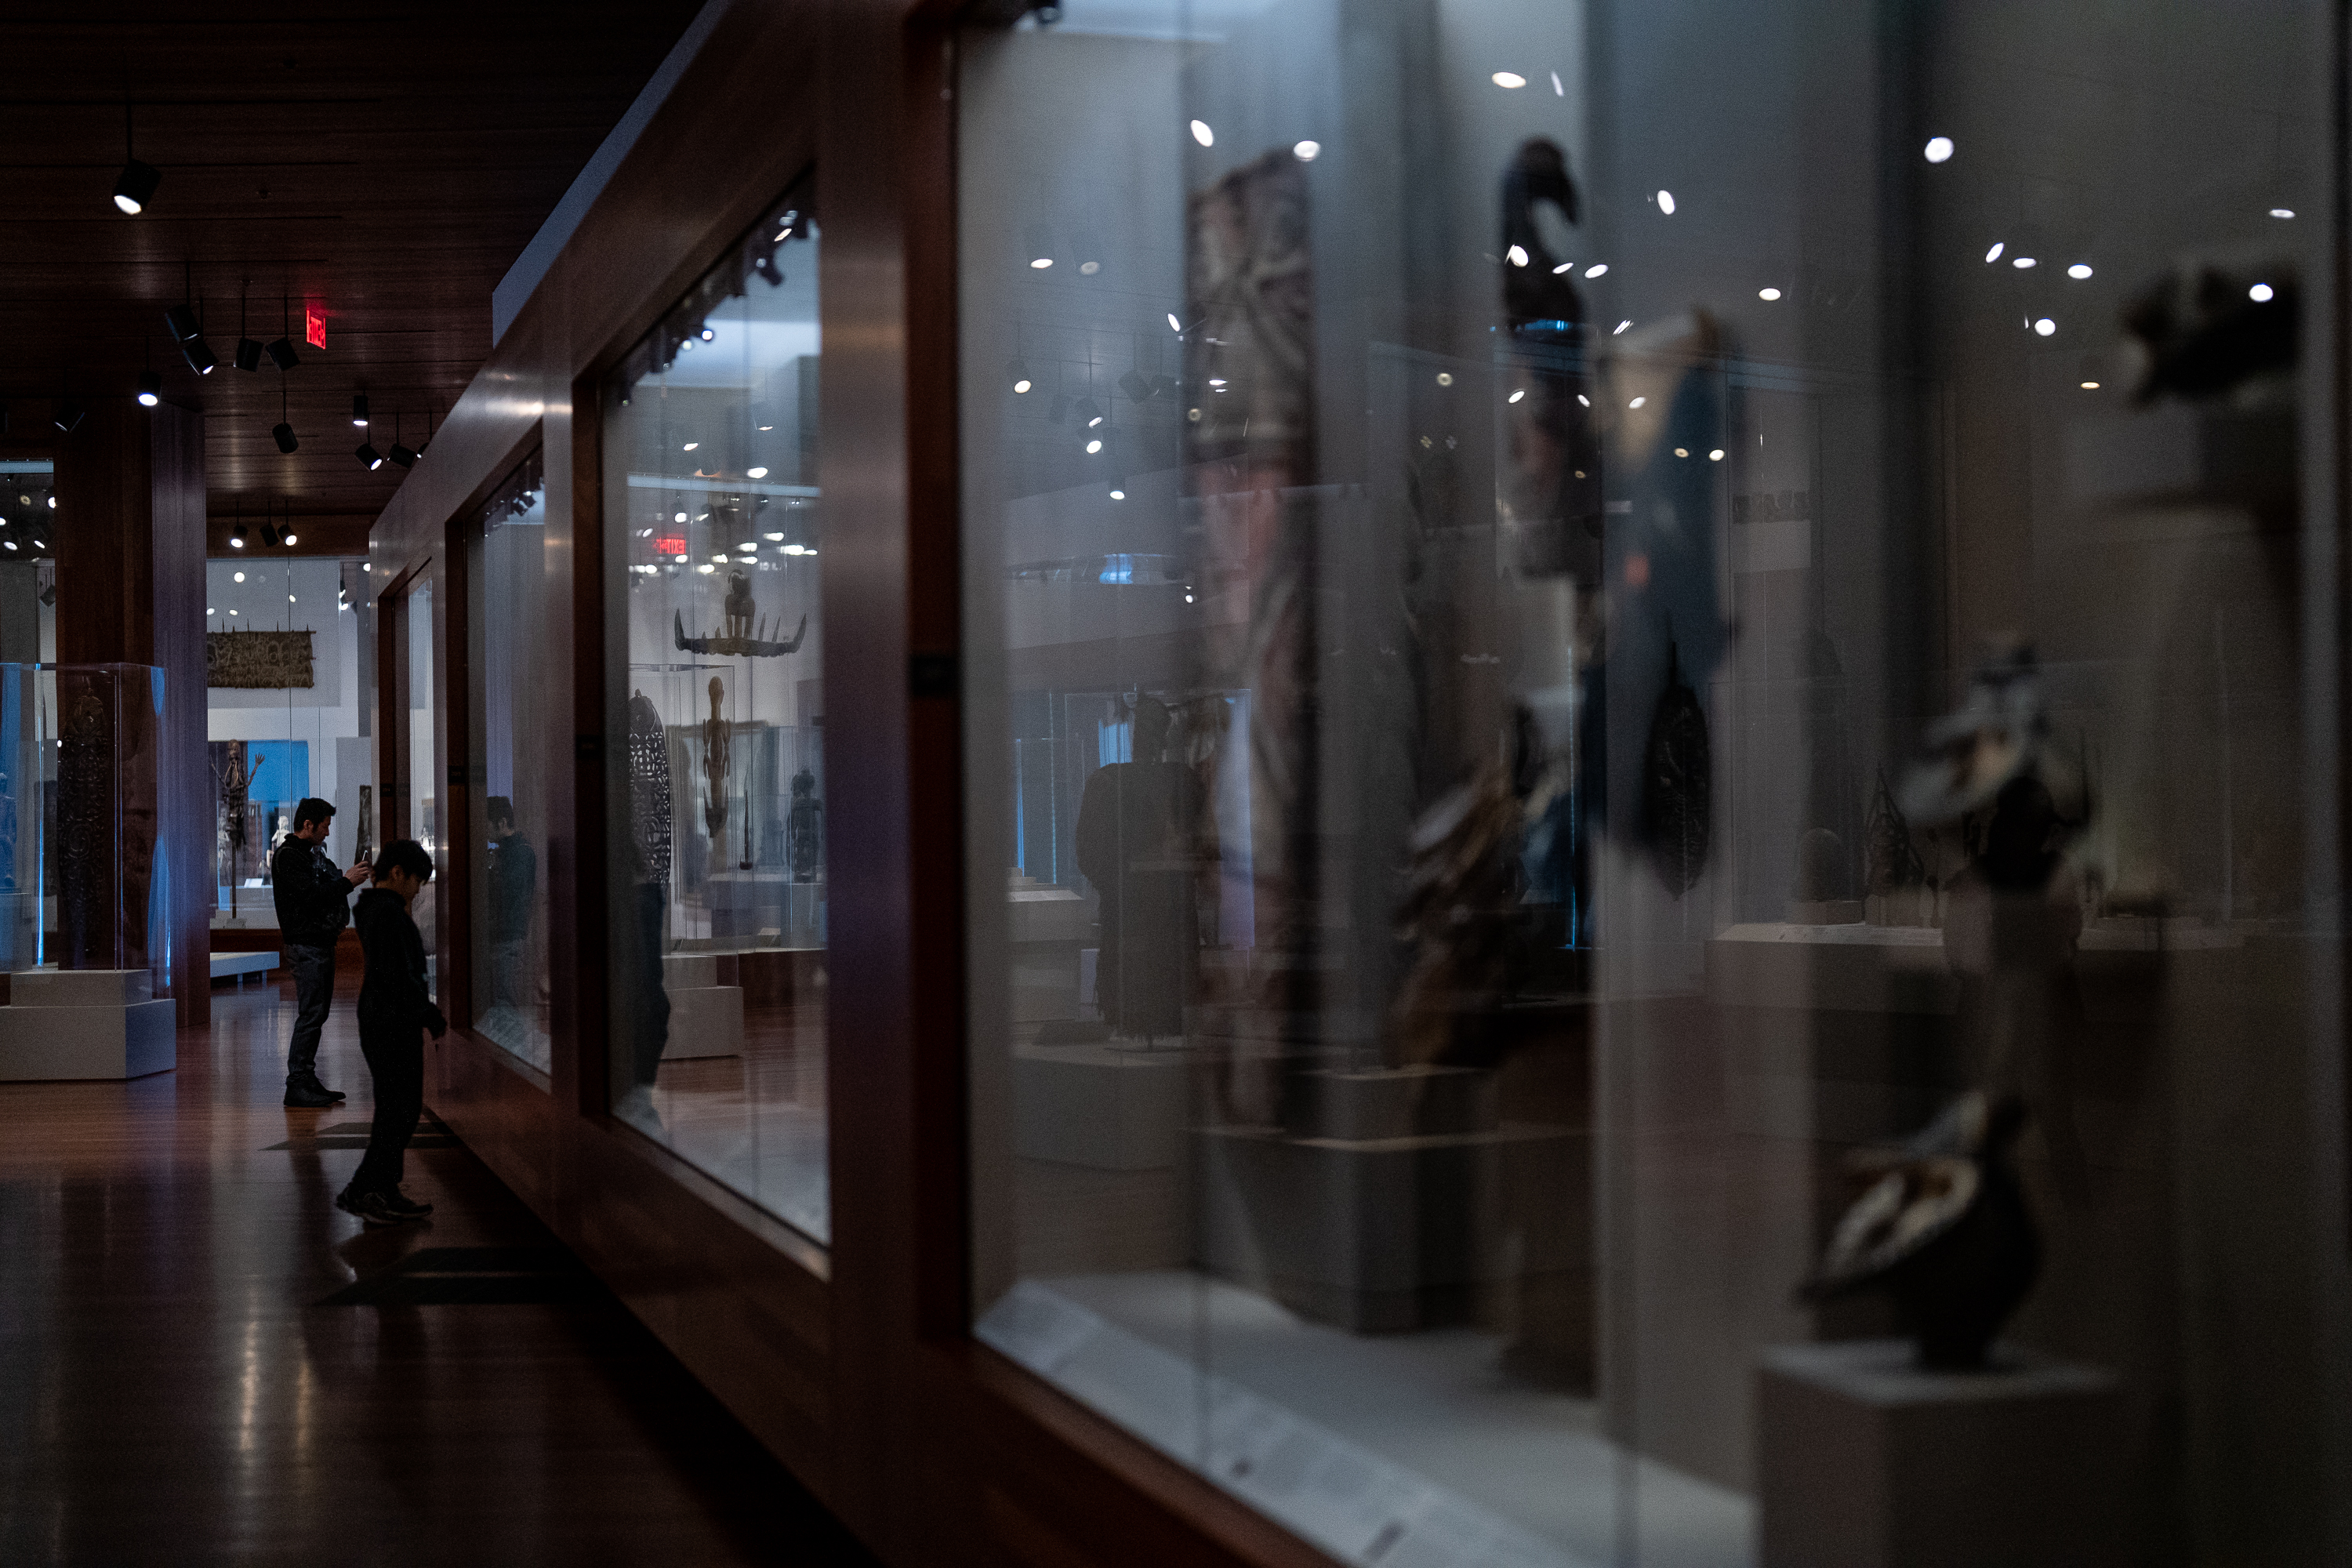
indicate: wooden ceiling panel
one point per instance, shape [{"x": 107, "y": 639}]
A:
[{"x": 385, "y": 169}]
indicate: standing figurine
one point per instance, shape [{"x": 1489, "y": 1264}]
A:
[
  {"x": 715, "y": 764},
  {"x": 804, "y": 830}
]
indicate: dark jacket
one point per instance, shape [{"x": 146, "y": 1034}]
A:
[
  {"x": 394, "y": 995},
  {"x": 514, "y": 877},
  {"x": 313, "y": 898}
]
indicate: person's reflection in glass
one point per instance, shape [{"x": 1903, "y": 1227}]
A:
[
  {"x": 2010, "y": 934},
  {"x": 513, "y": 879},
  {"x": 640, "y": 943},
  {"x": 1135, "y": 842}
]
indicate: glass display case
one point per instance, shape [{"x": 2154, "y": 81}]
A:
[
  {"x": 714, "y": 523},
  {"x": 1638, "y": 678},
  {"x": 512, "y": 713},
  {"x": 82, "y": 877}
]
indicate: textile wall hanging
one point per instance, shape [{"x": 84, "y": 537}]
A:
[{"x": 271, "y": 660}]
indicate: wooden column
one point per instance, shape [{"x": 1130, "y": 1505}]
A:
[{"x": 130, "y": 538}]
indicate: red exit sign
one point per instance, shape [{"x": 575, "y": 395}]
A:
[
  {"x": 314, "y": 325},
  {"x": 670, "y": 545}
]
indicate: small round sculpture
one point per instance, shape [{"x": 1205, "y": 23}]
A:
[{"x": 1943, "y": 1228}]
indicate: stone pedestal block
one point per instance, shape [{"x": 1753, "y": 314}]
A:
[
  {"x": 1092, "y": 1105},
  {"x": 84, "y": 1023}
]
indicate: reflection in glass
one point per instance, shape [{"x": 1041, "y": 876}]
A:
[
  {"x": 511, "y": 710},
  {"x": 1646, "y": 756},
  {"x": 718, "y": 894},
  {"x": 424, "y": 804}
]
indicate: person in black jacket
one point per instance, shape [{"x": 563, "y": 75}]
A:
[
  {"x": 313, "y": 903},
  {"x": 394, "y": 1004}
]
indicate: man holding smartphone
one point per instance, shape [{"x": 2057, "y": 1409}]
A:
[{"x": 313, "y": 907}]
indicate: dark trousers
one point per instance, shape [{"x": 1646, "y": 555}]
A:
[
  {"x": 648, "y": 997},
  {"x": 314, "y": 992},
  {"x": 395, "y": 1059}
]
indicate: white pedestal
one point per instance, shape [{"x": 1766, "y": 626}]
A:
[
  {"x": 84, "y": 1023},
  {"x": 705, "y": 1018},
  {"x": 1091, "y": 1105},
  {"x": 1862, "y": 1460}
]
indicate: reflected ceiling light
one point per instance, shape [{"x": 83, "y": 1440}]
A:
[
  {"x": 1715, "y": 456},
  {"x": 359, "y": 409},
  {"x": 290, "y": 598},
  {"x": 1202, "y": 134},
  {"x": 1666, "y": 202},
  {"x": 720, "y": 556},
  {"x": 237, "y": 535},
  {"x": 1562, "y": 268},
  {"x": 2021, "y": 262},
  {"x": 2259, "y": 293},
  {"x": 1089, "y": 253},
  {"x": 774, "y": 538},
  {"x": 766, "y": 268},
  {"x": 749, "y": 544},
  {"x": 757, "y": 473},
  {"x": 1041, "y": 246},
  {"x": 1118, "y": 494},
  {"x": 1093, "y": 446},
  {"x": 2090, "y": 387},
  {"x": 2081, "y": 269},
  {"x": 1994, "y": 254},
  {"x": 1508, "y": 80},
  {"x": 290, "y": 539},
  {"x": 1516, "y": 256},
  {"x": 2281, "y": 212},
  {"x": 1767, "y": 293},
  {"x": 1306, "y": 152},
  {"x": 1637, "y": 403},
  {"x": 708, "y": 334},
  {"x": 1584, "y": 400},
  {"x": 367, "y": 454},
  {"x": 1090, "y": 411},
  {"x": 1516, "y": 395},
  {"x": 1019, "y": 372},
  {"x": 1939, "y": 149},
  {"x": 66, "y": 416},
  {"x": 1173, "y": 325},
  {"x": 236, "y": 577},
  {"x": 677, "y": 517},
  {"x": 1558, "y": 90},
  {"x": 690, "y": 447},
  {"x": 2044, "y": 327},
  {"x": 784, "y": 224},
  {"x": 1622, "y": 326},
  {"x": 151, "y": 388},
  {"x": 706, "y": 568},
  {"x": 1597, "y": 269}
]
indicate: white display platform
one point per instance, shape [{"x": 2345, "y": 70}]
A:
[
  {"x": 85, "y": 1023},
  {"x": 1865, "y": 1461},
  {"x": 237, "y": 965},
  {"x": 1110, "y": 1109},
  {"x": 705, "y": 1018}
]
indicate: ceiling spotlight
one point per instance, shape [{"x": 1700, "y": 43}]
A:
[
  {"x": 180, "y": 321},
  {"x": 269, "y": 534},
  {"x": 1135, "y": 385},
  {"x": 199, "y": 356},
  {"x": 237, "y": 535},
  {"x": 67, "y": 415},
  {"x": 766, "y": 268},
  {"x": 1202, "y": 134},
  {"x": 2080, "y": 270},
  {"x": 1041, "y": 246},
  {"x": 289, "y": 539},
  {"x": 1508, "y": 80},
  {"x": 1020, "y": 375},
  {"x": 403, "y": 456},
  {"x": 283, "y": 434},
  {"x": 2281, "y": 212},
  {"x": 1994, "y": 254},
  {"x": 2022, "y": 263},
  {"x": 708, "y": 334},
  {"x": 281, "y": 352},
  {"x": 367, "y": 454},
  {"x": 151, "y": 388},
  {"x": 1093, "y": 447},
  {"x": 755, "y": 473},
  {"x": 1057, "y": 408},
  {"x": 1089, "y": 411},
  {"x": 236, "y": 577},
  {"x": 248, "y": 355},
  {"x": 359, "y": 409},
  {"x": 1307, "y": 151},
  {"x": 1939, "y": 149},
  {"x": 136, "y": 187}
]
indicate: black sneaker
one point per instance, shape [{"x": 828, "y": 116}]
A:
[
  {"x": 372, "y": 1208},
  {"x": 309, "y": 1094},
  {"x": 404, "y": 1205}
]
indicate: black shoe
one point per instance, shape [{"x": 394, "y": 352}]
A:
[
  {"x": 404, "y": 1205},
  {"x": 372, "y": 1208},
  {"x": 309, "y": 1094}
]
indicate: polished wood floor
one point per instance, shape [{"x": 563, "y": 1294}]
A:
[{"x": 203, "y": 1360}]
